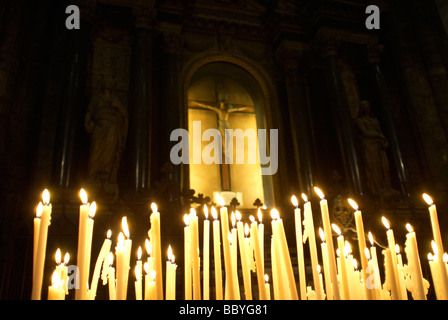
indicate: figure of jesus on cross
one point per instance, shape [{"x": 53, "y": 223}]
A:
[{"x": 222, "y": 110}]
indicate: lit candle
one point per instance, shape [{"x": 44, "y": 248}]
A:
[
  {"x": 438, "y": 270},
  {"x": 111, "y": 278},
  {"x": 309, "y": 234},
  {"x": 82, "y": 246},
  {"x": 170, "y": 275},
  {"x": 148, "y": 248},
  {"x": 244, "y": 257},
  {"x": 217, "y": 255},
  {"x": 56, "y": 290},
  {"x": 154, "y": 235},
  {"x": 414, "y": 266},
  {"x": 257, "y": 251},
  {"x": 206, "y": 250},
  {"x": 88, "y": 250},
  {"x": 374, "y": 257},
  {"x": 63, "y": 271},
  {"x": 39, "y": 210},
  {"x": 390, "y": 282},
  {"x": 261, "y": 234},
  {"x": 187, "y": 259},
  {"x": 321, "y": 283},
  {"x": 434, "y": 223},
  {"x": 234, "y": 253},
  {"x": 267, "y": 287},
  {"x": 342, "y": 261},
  {"x": 391, "y": 244},
  {"x": 102, "y": 257},
  {"x": 150, "y": 286},
  {"x": 194, "y": 248},
  {"x": 361, "y": 245},
  {"x": 138, "y": 275},
  {"x": 329, "y": 240},
  {"x": 324, "y": 252},
  {"x": 284, "y": 252},
  {"x": 120, "y": 254},
  {"x": 299, "y": 243},
  {"x": 230, "y": 274},
  {"x": 404, "y": 294},
  {"x": 127, "y": 248},
  {"x": 41, "y": 249}
]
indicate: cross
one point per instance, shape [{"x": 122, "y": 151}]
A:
[{"x": 222, "y": 110}]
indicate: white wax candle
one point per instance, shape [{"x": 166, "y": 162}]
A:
[
  {"x": 244, "y": 258},
  {"x": 187, "y": 259},
  {"x": 45, "y": 219},
  {"x": 342, "y": 262},
  {"x": 327, "y": 276},
  {"x": 206, "y": 250},
  {"x": 258, "y": 259},
  {"x": 414, "y": 265},
  {"x": 194, "y": 249},
  {"x": 154, "y": 234},
  {"x": 299, "y": 244},
  {"x": 217, "y": 255},
  {"x": 102, "y": 256}
]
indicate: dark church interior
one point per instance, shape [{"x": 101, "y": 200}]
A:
[{"x": 360, "y": 112}]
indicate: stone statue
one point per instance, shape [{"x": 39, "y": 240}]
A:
[
  {"x": 107, "y": 123},
  {"x": 373, "y": 146}
]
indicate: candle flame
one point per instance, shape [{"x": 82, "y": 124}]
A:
[
  {"x": 321, "y": 234},
  {"x": 139, "y": 253},
  {"x": 233, "y": 219},
  {"x": 430, "y": 257},
  {"x": 409, "y": 227},
  {"x": 355, "y": 264},
  {"x": 427, "y": 199},
  {"x": 55, "y": 279},
  {"x": 367, "y": 253},
  {"x": 152, "y": 274},
  {"x": 109, "y": 234},
  {"x": 246, "y": 229},
  {"x": 229, "y": 236},
  {"x": 304, "y": 197},
  {"x": 192, "y": 212},
  {"x": 58, "y": 256},
  {"x": 434, "y": 248},
  {"x": 153, "y": 207},
  {"x": 266, "y": 278},
  {"x": 397, "y": 248},
  {"x": 347, "y": 247},
  {"x": 120, "y": 239},
  {"x": 385, "y": 222},
  {"x": 170, "y": 252},
  {"x": 353, "y": 203},
  {"x": 338, "y": 252},
  {"x": 146, "y": 267},
  {"x": 445, "y": 257},
  {"x": 111, "y": 258},
  {"x": 294, "y": 201},
  {"x": 66, "y": 258},
  {"x": 319, "y": 193},
  {"x": 39, "y": 210},
  {"x": 275, "y": 214},
  {"x": 336, "y": 229},
  {"x": 83, "y": 196},
  {"x": 92, "y": 210},
  {"x": 371, "y": 238},
  {"x": 318, "y": 268},
  {"x": 46, "y": 197},
  {"x": 238, "y": 215},
  {"x": 206, "y": 211},
  {"x": 124, "y": 225},
  {"x": 148, "y": 247},
  {"x": 186, "y": 220},
  {"x": 260, "y": 216},
  {"x": 214, "y": 213},
  {"x": 220, "y": 200},
  {"x": 252, "y": 219}
]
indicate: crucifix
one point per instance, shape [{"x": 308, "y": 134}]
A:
[{"x": 222, "y": 110}]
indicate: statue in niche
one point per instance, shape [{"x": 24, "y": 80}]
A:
[
  {"x": 373, "y": 146},
  {"x": 107, "y": 123}
]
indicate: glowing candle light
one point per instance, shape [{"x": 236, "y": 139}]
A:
[
  {"x": 206, "y": 249},
  {"x": 267, "y": 287},
  {"x": 39, "y": 210},
  {"x": 82, "y": 240},
  {"x": 396, "y": 293},
  {"x": 41, "y": 247},
  {"x": 299, "y": 244},
  {"x": 434, "y": 222},
  {"x": 138, "y": 275},
  {"x": 310, "y": 235},
  {"x": 154, "y": 235},
  {"x": 261, "y": 233},
  {"x": 244, "y": 256},
  {"x": 361, "y": 245},
  {"x": 101, "y": 260},
  {"x": 414, "y": 265},
  {"x": 329, "y": 240},
  {"x": 438, "y": 270},
  {"x": 217, "y": 255},
  {"x": 257, "y": 250},
  {"x": 342, "y": 261},
  {"x": 230, "y": 273},
  {"x": 187, "y": 259},
  {"x": 194, "y": 249},
  {"x": 56, "y": 290},
  {"x": 324, "y": 248},
  {"x": 234, "y": 252}
]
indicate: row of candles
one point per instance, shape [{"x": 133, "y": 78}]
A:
[{"x": 342, "y": 277}]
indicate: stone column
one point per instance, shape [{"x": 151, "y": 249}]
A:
[
  {"x": 140, "y": 102},
  {"x": 343, "y": 121},
  {"x": 170, "y": 110},
  {"x": 385, "y": 105},
  {"x": 73, "y": 103},
  {"x": 289, "y": 55}
]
